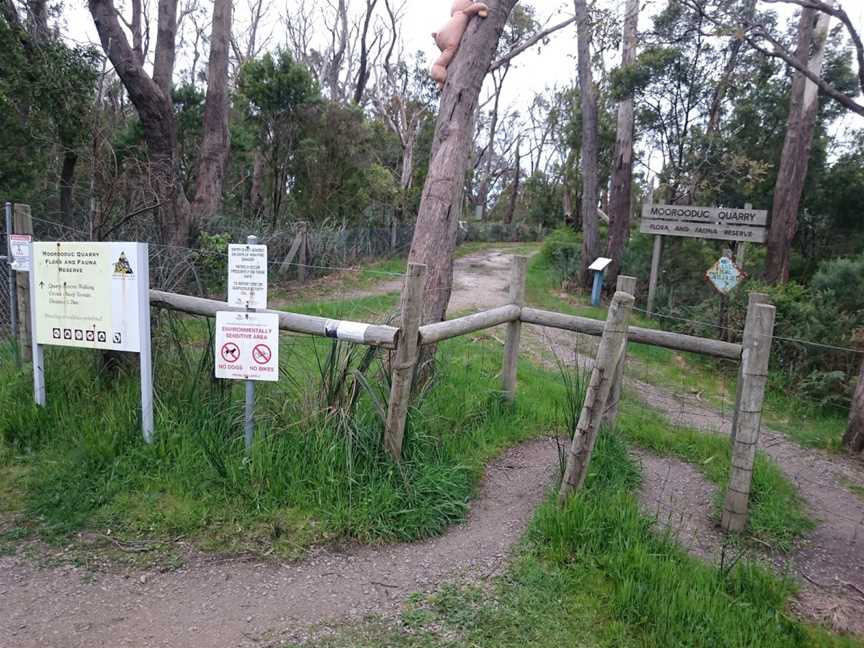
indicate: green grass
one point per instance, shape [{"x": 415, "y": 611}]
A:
[
  {"x": 598, "y": 574},
  {"x": 315, "y": 474}
]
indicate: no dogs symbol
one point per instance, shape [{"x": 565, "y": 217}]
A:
[
  {"x": 262, "y": 354},
  {"x": 230, "y": 352}
]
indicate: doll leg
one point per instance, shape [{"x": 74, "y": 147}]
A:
[{"x": 439, "y": 68}]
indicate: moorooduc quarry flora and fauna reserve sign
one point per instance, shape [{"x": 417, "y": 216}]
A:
[
  {"x": 719, "y": 223},
  {"x": 87, "y": 295}
]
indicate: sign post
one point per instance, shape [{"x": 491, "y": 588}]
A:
[
  {"x": 92, "y": 296},
  {"x": 717, "y": 223},
  {"x": 13, "y": 301},
  {"x": 236, "y": 357},
  {"x": 599, "y": 269}
]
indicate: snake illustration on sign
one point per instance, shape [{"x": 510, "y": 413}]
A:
[{"x": 725, "y": 275}]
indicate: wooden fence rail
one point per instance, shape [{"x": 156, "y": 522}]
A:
[{"x": 357, "y": 332}]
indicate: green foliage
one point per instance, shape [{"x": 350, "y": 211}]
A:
[
  {"x": 211, "y": 262},
  {"x": 562, "y": 252},
  {"x": 841, "y": 282}
]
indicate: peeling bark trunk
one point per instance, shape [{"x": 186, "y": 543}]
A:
[
  {"x": 854, "y": 437},
  {"x": 590, "y": 144},
  {"x": 256, "y": 197},
  {"x": 67, "y": 185},
  {"x": 514, "y": 193},
  {"x": 215, "y": 144},
  {"x": 803, "y": 110},
  {"x": 166, "y": 40},
  {"x": 621, "y": 198},
  {"x": 440, "y": 208}
]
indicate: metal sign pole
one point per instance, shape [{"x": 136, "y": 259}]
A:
[
  {"x": 38, "y": 350},
  {"x": 249, "y": 414},
  {"x": 13, "y": 293},
  {"x": 144, "y": 355}
]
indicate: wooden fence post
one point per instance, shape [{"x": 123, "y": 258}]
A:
[
  {"x": 626, "y": 285},
  {"x": 754, "y": 372},
  {"x": 656, "y": 255},
  {"x": 23, "y": 224},
  {"x": 514, "y": 329},
  {"x": 753, "y": 299},
  {"x": 405, "y": 361},
  {"x": 608, "y": 355}
]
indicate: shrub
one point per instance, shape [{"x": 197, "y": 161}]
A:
[{"x": 562, "y": 251}]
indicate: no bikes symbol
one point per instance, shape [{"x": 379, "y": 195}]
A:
[{"x": 262, "y": 354}]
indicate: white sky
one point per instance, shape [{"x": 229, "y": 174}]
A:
[{"x": 533, "y": 71}]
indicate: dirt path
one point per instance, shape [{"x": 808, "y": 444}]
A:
[{"x": 221, "y": 604}]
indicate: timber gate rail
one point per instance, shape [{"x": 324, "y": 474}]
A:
[{"x": 604, "y": 388}]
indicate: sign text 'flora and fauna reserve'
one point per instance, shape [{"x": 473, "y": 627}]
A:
[
  {"x": 87, "y": 295},
  {"x": 247, "y": 276},
  {"x": 19, "y": 246},
  {"x": 719, "y": 223},
  {"x": 247, "y": 346}
]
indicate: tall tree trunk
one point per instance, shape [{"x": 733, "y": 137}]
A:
[
  {"x": 166, "y": 45},
  {"x": 152, "y": 101},
  {"x": 514, "y": 192},
  {"x": 440, "y": 207},
  {"x": 590, "y": 143},
  {"x": 256, "y": 193},
  {"x": 215, "y": 144},
  {"x": 363, "y": 74},
  {"x": 67, "y": 185},
  {"x": 803, "y": 110},
  {"x": 854, "y": 437},
  {"x": 621, "y": 196}
]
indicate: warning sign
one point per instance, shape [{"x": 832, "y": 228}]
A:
[
  {"x": 247, "y": 346},
  {"x": 91, "y": 295},
  {"x": 247, "y": 276},
  {"x": 19, "y": 246}
]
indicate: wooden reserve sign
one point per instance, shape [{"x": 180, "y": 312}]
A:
[{"x": 719, "y": 223}]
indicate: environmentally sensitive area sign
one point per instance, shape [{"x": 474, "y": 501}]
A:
[
  {"x": 19, "y": 246},
  {"x": 247, "y": 346},
  {"x": 718, "y": 223},
  {"x": 247, "y": 276},
  {"x": 89, "y": 294}
]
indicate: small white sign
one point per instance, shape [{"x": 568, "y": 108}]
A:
[
  {"x": 19, "y": 245},
  {"x": 89, "y": 295},
  {"x": 247, "y": 346},
  {"x": 600, "y": 264},
  {"x": 247, "y": 276}
]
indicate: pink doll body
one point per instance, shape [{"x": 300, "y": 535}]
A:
[{"x": 450, "y": 35}]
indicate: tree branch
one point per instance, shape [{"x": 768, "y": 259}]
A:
[
  {"x": 840, "y": 14},
  {"x": 536, "y": 38}
]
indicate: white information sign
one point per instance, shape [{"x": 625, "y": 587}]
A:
[
  {"x": 247, "y": 276},
  {"x": 247, "y": 346},
  {"x": 90, "y": 294},
  {"x": 19, "y": 245}
]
